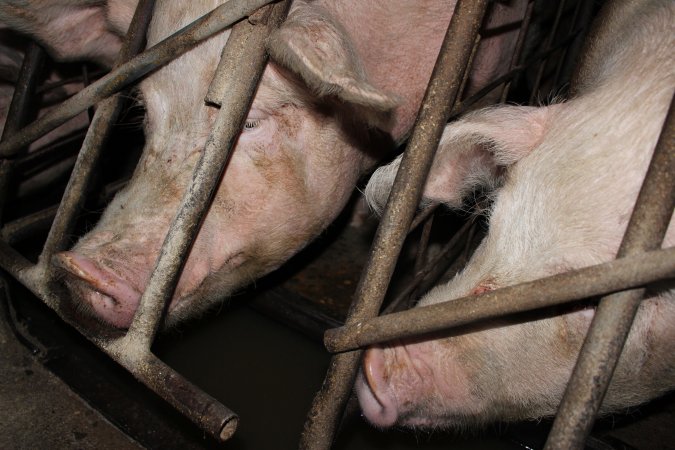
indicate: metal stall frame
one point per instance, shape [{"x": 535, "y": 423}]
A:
[
  {"x": 132, "y": 350},
  {"x": 441, "y": 102},
  {"x": 638, "y": 262}
]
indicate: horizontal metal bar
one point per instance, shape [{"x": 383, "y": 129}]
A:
[
  {"x": 617, "y": 275},
  {"x": 178, "y": 43},
  {"x": 615, "y": 314},
  {"x": 439, "y": 98}
]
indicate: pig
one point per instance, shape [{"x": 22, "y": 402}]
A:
[
  {"x": 564, "y": 179},
  {"x": 345, "y": 81}
]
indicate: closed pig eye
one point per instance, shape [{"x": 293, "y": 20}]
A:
[{"x": 250, "y": 124}]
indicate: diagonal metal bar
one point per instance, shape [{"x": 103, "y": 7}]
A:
[
  {"x": 614, "y": 316},
  {"x": 620, "y": 274},
  {"x": 323, "y": 418},
  {"x": 139, "y": 66},
  {"x": 98, "y": 132},
  {"x": 206, "y": 176}
]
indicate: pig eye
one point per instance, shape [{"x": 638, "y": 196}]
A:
[{"x": 250, "y": 124}]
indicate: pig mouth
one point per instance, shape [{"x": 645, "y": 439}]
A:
[{"x": 107, "y": 295}]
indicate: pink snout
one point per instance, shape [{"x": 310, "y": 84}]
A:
[
  {"x": 375, "y": 395},
  {"x": 111, "y": 298}
]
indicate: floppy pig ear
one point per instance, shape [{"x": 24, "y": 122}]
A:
[
  {"x": 68, "y": 29},
  {"x": 315, "y": 47},
  {"x": 469, "y": 154}
]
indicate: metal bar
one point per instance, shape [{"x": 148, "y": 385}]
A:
[
  {"x": 518, "y": 50},
  {"x": 547, "y": 46},
  {"x": 202, "y": 409},
  {"x": 243, "y": 35},
  {"x": 101, "y": 125},
  {"x": 433, "y": 269},
  {"x": 205, "y": 180},
  {"x": 440, "y": 96},
  {"x": 617, "y": 275},
  {"x": 18, "y": 113},
  {"x": 423, "y": 244},
  {"x": 220, "y": 18},
  {"x": 613, "y": 318},
  {"x": 18, "y": 229}
]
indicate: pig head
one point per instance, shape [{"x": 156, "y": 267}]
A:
[
  {"x": 293, "y": 169},
  {"x": 564, "y": 179}
]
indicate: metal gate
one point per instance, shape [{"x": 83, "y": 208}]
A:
[{"x": 551, "y": 63}]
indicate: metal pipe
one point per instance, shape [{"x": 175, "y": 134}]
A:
[
  {"x": 432, "y": 270},
  {"x": 202, "y": 409},
  {"x": 613, "y": 319},
  {"x": 205, "y": 180},
  {"x": 18, "y": 229},
  {"x": 18, "y": 113},
  {"x": 99, "y": 130},
  {"x": 518, "y": 50},
  {"x": 220, "y": 18},
  {"x": 440, "y": 96},
  {"x": 613, "y": 276},
  {"x": 547, "y": 46}
]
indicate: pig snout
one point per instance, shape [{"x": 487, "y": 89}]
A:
[
  {"x": 393, "y": 379},
  {"x": 106, "y": 294}
]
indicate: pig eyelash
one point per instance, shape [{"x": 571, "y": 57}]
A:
[{"x": 251, "y": 124}]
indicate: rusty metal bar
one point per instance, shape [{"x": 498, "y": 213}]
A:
[
  {"x": 220, "y": 18},
  {"x": 617, "y": 275},
  {"x": 99, "y": 130},
  {"x": 202, "y": 409},
  {"x": 19, "y": 110},
  {"x": 440, "y": 96},
  {"x": 614, "y": 316},
  {"x": 205, "y": 179}
]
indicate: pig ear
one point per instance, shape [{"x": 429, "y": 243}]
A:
[
  {"x": 470, "y": 153},
  {"x": 68, "y": 29},
  {"x": 315, "y": 47}
]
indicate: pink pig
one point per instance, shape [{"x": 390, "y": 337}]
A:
[
  {"x": 573, "y": 171},
  {"x": 343, "y": 86}
]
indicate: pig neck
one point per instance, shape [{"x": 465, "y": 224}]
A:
[{"x": 398, "y": 42}]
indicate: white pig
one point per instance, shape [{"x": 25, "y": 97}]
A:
[
  {"x": 572, "y": 174},
  {"x": 338, "y": 67}
]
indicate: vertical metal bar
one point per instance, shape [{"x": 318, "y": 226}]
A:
[
  {"x": 423, "y": 244},
  {"x": 99, "y": 130},
  {"x": 516, "y": 60},
  {"x": 547, "y": 46},
  {"x": 440, "y": 96},
  {"x": 614, "y": 315},
  {"x": 18, "y": 113},
  {"x": 204, "y": 182}
]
